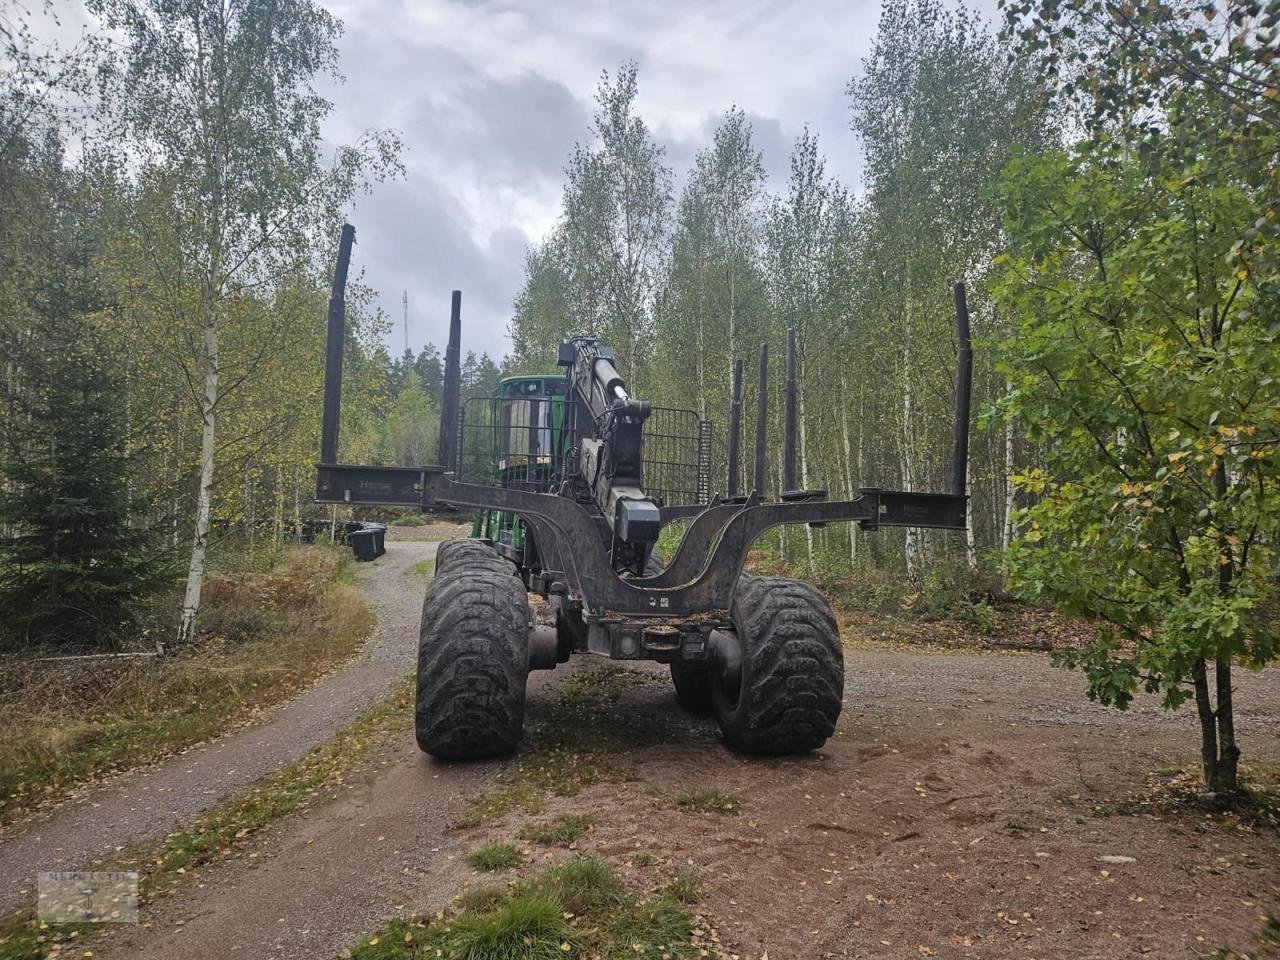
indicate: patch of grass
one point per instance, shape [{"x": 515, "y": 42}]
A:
[
  {"x": 479, "y": 899},
  {"x": 584, "y": 885},
  {"x": 1175, "y": 790},
  {"x": 560, "y": 832},
  {"x": 262, "y": 636},
  {"x": 425, "y": 569},
  {"x": 495, "y": 856},
  {"x": 221, "y": 832},
  {"x": 708, "y": 800},
  {"x": 1268, "y": 939},
  {"x": 411, "y": 520},
  {"x": 685, "y": 886},
  {"x": 579, "y": 908},
  {"x": 643, "y": 858},
  {"x": 529, "y": 926}
]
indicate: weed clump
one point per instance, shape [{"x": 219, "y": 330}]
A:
[
  {"x": 560, "y": 832},
  {"x": 495, "y": 856}
]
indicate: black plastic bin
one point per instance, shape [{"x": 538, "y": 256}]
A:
[{"x": 368, "y": 541}]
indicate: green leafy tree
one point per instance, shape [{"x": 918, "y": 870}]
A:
[
  {"x": 614, "y": 229},
  {"x": 1144, "y": 361},
  {"x": 1144, "y": 270},
  {"x": 218, "y": 107},
  {"x": 1126, "y": 65},
  {"x": 930, "y": 164},
  {"x": 412, "y": 426}
]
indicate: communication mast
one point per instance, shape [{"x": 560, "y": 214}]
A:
[{"x": 404, "y": 299}]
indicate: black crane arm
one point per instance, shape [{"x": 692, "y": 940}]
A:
[{"x": 610, "y": 442}]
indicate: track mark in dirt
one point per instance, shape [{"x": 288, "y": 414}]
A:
[{"x": 144, "y": 804}]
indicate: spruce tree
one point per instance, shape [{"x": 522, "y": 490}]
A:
[{"x": 71, "y": 568}]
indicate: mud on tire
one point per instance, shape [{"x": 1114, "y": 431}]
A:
[
  {"x": 473, "y": 660},
  {"x": 792, "y": 682}
]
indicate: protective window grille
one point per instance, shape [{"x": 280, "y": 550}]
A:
[{"x": 526, "y": 443}]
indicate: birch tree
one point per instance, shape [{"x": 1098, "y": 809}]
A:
[
  {"x": 940, "y": 110},
  {"x": 215, "y": 101},
  {"x": 617, "y": 207}
]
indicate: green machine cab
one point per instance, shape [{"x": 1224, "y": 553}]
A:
[{"x": 526, "y": 420}]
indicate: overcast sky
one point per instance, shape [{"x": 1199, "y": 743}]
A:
[{"x": 491, "y": 96}]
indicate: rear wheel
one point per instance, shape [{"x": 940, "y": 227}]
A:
[
  {"x": 790, "y": 685},
  {"x": 473, "y": 658}
]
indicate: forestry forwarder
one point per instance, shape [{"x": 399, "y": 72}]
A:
[{"x": 574, "y": 479}]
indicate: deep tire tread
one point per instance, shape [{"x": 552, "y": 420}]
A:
[
  {"x": 473, "y": 659},
  {"x": 453, "y": 554},
  {"x": 792, "y": 669}
]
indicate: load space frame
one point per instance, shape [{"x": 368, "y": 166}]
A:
[{"x": 678, "y": 612}]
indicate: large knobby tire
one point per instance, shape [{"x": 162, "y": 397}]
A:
[
  {"x": 473, "y": 660},
  {"x": 792, "y": 680},
  {"x": 693, "y": 686},
  {"x": 453, "y": 553}
]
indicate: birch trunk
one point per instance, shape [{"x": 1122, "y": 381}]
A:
[
  {"x": 204, "y": 496},
  {"x": 912, "y": 547},
  {"x": 971, "y": 546},
  {"x": 804, "y": 457},
  {"x": 1006, "y": 534},
  {"x": 848, "y": 468}
]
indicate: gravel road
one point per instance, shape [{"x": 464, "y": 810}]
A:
[{"x": 145, "y": 804}]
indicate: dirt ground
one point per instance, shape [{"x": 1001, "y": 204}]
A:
[{"x": 963, "y": 809}]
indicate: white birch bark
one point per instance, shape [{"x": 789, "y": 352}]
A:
[
  {"x": 1006, "y": 533},
  {"x": 848, "y": 468},
  {"x": 204, "y": 495},
  {"x": 804, "y": 457}
]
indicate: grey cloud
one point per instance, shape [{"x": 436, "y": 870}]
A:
[
  {"x": 491, "y": 95},
  {"x": 415, "y": 237}
]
